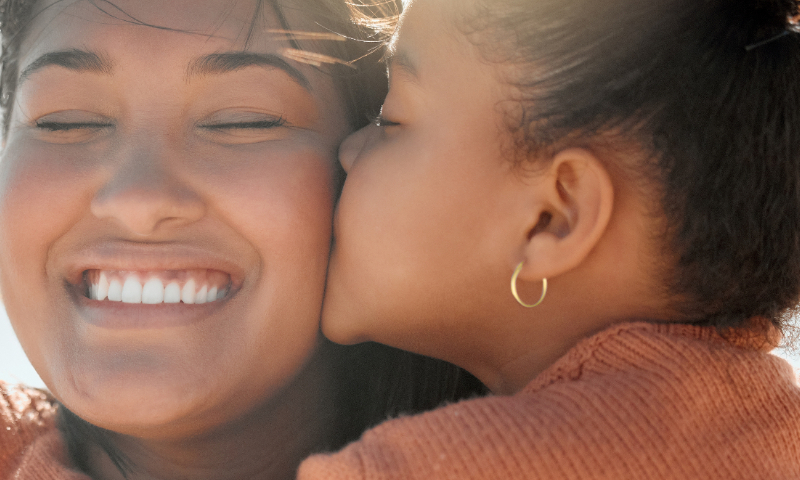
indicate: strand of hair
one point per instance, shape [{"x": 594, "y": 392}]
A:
[
  {"x": 312, "y": 58},
  {"x": 308, "y": 35}
]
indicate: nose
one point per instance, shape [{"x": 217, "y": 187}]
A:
[
  {"x": 353, "y": 145},
  {"x": 143, "y": 196}
]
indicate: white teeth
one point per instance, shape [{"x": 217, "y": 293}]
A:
[
  {"x": 181, "y": 286},
  {"x": 202, "y": 295},
  {"x": 101, "y": 289},
  {"x": 153, "y": 292},
  {"x": 188, "y": 292},
  {"x": 115, "y": 291},
  {"x": 132, "y": 291},
  {"x": 172, "y": 293}
]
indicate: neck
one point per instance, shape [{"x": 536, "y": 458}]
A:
[
  {"x": 519, "y": 344},
  {"x": 266, "y": 443}
]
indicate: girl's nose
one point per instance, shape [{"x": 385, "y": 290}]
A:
[
  {"x": 353, "y": 145},
  {"x": 144, "y": 197}
]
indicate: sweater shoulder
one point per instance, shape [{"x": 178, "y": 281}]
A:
[
  {"x": 669, "y": 352},
  {"x": 649, "y": 374},
  {"x": 26, "y": 414},
  {"x": 633, "y": 401},
  {"x": 24, "y": 409}
]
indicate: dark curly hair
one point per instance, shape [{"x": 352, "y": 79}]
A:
[{"x": 709, "y": 90}]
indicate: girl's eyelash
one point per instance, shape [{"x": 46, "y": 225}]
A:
[
  {"x": 380, "y": 121},
  {"x": 258, "y": 124},
  {"x": 66, "y": 126}
]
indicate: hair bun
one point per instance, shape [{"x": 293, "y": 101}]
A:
[{"x": 775, "y": 13}]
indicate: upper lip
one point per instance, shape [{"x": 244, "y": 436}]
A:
[{"x": 143, "y": 257}]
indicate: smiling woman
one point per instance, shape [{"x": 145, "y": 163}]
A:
[
  {"x": 167, "y": 185},
  {"x": 121, "y": 137}
]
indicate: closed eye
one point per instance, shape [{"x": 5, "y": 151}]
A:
[
  {"x": 67, "y": 126},
  {"x": 258, "y": 124},
  {"x": 381, "y": 121},
  {"x": 233, "y": 126},
  {"x": 73, "y": 126}
]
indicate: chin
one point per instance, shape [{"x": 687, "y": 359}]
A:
[
  {"x": 340, "y": 320},
  {"x": 143, "y": 402}
]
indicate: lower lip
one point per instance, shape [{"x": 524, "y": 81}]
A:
[{"x": 140, "y": 316}]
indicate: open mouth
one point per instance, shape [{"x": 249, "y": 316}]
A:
[{"x": 193, "y": 287}]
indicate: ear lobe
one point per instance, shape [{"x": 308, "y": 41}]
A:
[{"x": 576, "y": 200}]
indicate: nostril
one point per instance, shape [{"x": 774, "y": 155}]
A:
[{"x": 144, "y": 207}]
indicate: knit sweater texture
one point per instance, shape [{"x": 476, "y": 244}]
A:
[
  {"x": 31, "y": 447},
  {"x": 636, "y": 401}
]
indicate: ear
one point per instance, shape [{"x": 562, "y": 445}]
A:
[{"x": 574, "y": 199}]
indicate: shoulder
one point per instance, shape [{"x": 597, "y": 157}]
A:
[
  {"x": 24, "y": 409},
  {"x": 26, "y": 414},
  {"x": 666, "y": 353},
  {"x": 667, "y": 377},
  {"x": 668, "y": 401}
]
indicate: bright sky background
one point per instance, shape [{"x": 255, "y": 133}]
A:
[{"x": 14, "y": 367}]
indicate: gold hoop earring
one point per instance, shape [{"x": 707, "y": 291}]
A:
[{"x": 514, "y": 288}]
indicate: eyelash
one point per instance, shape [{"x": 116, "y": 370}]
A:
[
  {"x": 380, "y": 121},
  {"x": 260, "y": 124},
  {"x": 67, "y": 126}
]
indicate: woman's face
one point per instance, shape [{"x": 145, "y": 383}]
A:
[{"x": 161, "y": 154}]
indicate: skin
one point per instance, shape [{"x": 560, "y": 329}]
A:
[
  {"x": 142, "y": 183},
  {"x": 434, "y": 217}
]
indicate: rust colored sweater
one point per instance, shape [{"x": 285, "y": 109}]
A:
[
  {"x": 636, "y": 401},
  {"x": 30, "y": 444}
]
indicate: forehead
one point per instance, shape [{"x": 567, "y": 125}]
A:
[
  {"x": 433, "y": 25},
  {"x": 429, "y": 45},
  {"x": 151, "y": 27}
]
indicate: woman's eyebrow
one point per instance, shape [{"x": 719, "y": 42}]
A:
[
  {"x": 217, "y": 63},
  {"x": 72, "y": 59}
]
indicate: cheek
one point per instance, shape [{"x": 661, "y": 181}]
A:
[
  {"x": 40, "y": 199},
  {"x": 411, "y": 212},
  {"x": 274, "y": 196},
  {"x": 41, "y": 194},
  {"x": 283, "y": 206},
  {"x": 390, "y": 197}
]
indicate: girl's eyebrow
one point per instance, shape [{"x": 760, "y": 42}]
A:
[
  {"x": 217, "y": 63},
  {"x": 72, "y": 59},
  {"x": 402, "y": 61}
]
